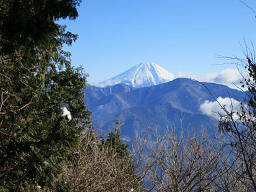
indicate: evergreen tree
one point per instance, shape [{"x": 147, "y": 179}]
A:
[
  {"x": 115, "y": 143},
  {"x": 41, "y": 103}
]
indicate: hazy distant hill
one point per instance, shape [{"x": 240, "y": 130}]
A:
[{"x": 168, "y": 105}]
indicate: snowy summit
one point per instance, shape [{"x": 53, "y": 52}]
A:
[{"x": 142, "y": 75}]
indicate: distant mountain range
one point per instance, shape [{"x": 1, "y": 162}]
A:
[
  {"x": 147, "y": 99},
  {"x": 172, "y": 105}
]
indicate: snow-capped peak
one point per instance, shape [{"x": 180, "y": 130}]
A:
[{"x": 142, "y": 75}]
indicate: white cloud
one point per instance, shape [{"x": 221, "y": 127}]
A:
[
  {"x": 214, "y": 108},
  {"x": 228, "y": 77},
  {"x": 66, "y": 113}
]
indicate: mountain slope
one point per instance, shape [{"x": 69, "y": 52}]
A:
[
  {"x": 142, "y": 75},
  {"x": 173, "y": 104}
]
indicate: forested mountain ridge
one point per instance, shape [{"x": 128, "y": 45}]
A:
[{"x": 156, "y": 107}]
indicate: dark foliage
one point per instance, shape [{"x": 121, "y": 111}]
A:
[{"x": 36, "y": 83}]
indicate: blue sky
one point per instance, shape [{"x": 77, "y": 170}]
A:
[{"x": 181, "y": 36}]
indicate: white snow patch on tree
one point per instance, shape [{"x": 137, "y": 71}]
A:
[{"x": 66, "y": 113}]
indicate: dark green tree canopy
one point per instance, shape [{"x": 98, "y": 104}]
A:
[
  {"x": 115, "y": 143},
  {"x": 36, "y": 83},
  {"x": 32, "y": 21}
]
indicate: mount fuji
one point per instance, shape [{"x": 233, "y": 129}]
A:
[
  {"x": 147, "y": 98},
  {"x": 142, "y": 75}
]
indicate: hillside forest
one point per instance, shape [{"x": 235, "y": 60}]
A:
[{"x": 48, "y": 143}]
